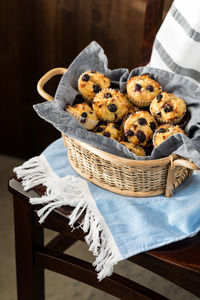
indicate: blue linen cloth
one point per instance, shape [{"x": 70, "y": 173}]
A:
[
  {"x": 117, "y": 227},
  {"x": 139, "y": 224}
]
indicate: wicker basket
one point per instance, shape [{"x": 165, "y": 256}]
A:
[{"x": 124, "y": 176}]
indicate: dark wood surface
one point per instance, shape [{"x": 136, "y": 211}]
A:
[
  {"x": 38, "y": 35},
  {"x": 178, "y": 262}
]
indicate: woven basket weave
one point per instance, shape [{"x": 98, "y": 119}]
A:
[
  {"x": 128, "y": 177},
  {"x": 125, "y": 176}
]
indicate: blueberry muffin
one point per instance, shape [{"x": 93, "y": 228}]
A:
[
  {"x": 110, "y": 105},
  {"x": 168, "y": 108},
  {"x": 163, "y": 132},
  {"x": 112, "y": 130},
  {"x": 84, "y": 114},
  {"x": 142, "y": 90},
  {"x": 92, "y": 82},
  {"x": 139, "y": 128},
  {"x": 139, "y": 151}
]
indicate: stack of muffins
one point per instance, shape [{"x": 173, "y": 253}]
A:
[{"x": 140, "y": 119}]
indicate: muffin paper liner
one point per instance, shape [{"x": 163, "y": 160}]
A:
[
  {"x": 140, "y": 103},
  {"x": 93, "y": 57}
]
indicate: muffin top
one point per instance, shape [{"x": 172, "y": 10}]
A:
[
  {"x": 84, "y": 114},
  {"x": 142, "y": 90},
  {"x": 168, "y": 108},
  {"x": 92, "y": 82},
  {"x": 139, "y": 128},
  {"x": 163, "y": 132},
  {"x": 112, "y": 130},
  {"x": 139, "y": 151},
  {"x": 110, "y": 105}
]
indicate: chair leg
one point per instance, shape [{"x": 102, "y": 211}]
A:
[{"x": 30, "y": 278}]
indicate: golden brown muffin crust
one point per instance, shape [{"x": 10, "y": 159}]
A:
[{"x": 142, "y": 90}]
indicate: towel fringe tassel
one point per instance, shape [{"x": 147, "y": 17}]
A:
[{"x": 74, "y": 191}]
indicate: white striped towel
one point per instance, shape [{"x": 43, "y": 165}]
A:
[{"x": 177, "y": 44}]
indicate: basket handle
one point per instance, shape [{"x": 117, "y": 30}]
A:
[
  {"x": 185, "y": 163},
  {"x": 170, "y": 176},
  {"x": 46, "y": 77}
]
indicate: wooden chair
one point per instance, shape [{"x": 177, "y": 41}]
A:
[{"x": 178, "y": 262}]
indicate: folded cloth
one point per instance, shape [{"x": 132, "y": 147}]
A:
[
  {"x": 116, "y": 227},
  {"x": 176, "y": 46}
]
